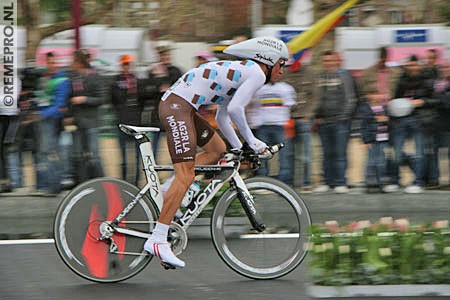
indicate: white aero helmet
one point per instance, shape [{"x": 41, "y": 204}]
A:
[
  {"x": 266, "y": 49},
  {"x": 400, "y": 107}
]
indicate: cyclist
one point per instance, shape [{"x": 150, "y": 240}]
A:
[{"x": 231, "y": 85}]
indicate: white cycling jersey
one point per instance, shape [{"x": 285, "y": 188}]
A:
[{"x": 231, "y": 85}]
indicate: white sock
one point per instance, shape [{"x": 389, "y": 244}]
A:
[{"x": 160, "y": 232}]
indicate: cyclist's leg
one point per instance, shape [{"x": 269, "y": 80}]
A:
[
  {"x": 177, "y": 117},
  {"x": 184, "y": 173},
  {"x": 213, "y": 151},
  {"x": 209, "y": 140},
  {"x": 157, "y": 244},
  {"x": 208, "y": 157},
  {"x": 184, "y": 176}
]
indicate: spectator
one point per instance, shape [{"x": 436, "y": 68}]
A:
[
  {"x": 14, "y": 152},
  {"x": 442, "y": 93},
  {"x": 336, "y": 104},
  {"x": 52, "y": 96},
  {"x": 302, "y": 113},
  {"x": 431, "y": 72},
  {"x": 65, "y": 154},
  {"x": 161, "y": 76},
  {"x": 374, "y": 133},
  {"x": 9, "y": 123},
  {"x": 28, "y": 132},
  {"x": 379, "y": 74},
  {"x": 126, "y": 102},
  {"x": 67, "y": 142},
  {"x": 29, "y": 79},
  {"x": 355, "y": 124},
  {"x": 340, "y": 68},
  {"x": 87, "y": 95},
  {"x": 384, "y": 79},
  {"x": 272, "y": 103},
  {"x": 413, "y": 85},
  {"x": 431, "y": 67}
]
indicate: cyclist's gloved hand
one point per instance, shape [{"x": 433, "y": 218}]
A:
[
  {"x": 258, "y": 146},
  {"x": 267, "y": 154}
]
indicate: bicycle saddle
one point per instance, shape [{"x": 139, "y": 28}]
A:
[{"x": 134, "y": 130}]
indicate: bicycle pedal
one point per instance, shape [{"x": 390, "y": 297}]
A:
[{"x": 167, "y": 266}]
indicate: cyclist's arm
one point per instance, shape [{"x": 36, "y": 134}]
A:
[
  {"x": 236, "y": 107},
  {"x": 225, "y": 126}
]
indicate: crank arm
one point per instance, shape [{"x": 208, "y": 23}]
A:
[
  {"x": 131, "y": 253},
  {"x": 136, "y": 233}
]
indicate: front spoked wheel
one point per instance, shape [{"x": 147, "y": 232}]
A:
[
  {"x": 82, "y": 217},
  {"x": 270, "y": 254}
]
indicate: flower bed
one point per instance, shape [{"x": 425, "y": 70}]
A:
[{"x": 385, "y": 253}]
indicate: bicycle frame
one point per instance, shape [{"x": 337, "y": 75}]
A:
[{"x": 199, "y": 203}]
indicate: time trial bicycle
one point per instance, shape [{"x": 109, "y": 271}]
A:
[{"x": 259, "y": 226}]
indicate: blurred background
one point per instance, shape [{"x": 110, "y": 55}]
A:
[
  {"x": 108, "y": 29},
  {"x": 86, "y": 66}
]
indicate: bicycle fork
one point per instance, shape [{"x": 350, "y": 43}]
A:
[{"x": 248, "y": 204}]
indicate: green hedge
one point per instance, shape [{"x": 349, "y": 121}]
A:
[{"x": 387, "y": 252}]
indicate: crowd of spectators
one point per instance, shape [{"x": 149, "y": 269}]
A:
[
  {"x": 59, "y": 120},
  {"x": 336, "y": 105}
]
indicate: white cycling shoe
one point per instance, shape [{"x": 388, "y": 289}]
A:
[{"x": 164, "y": 253}]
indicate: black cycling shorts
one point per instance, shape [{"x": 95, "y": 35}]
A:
[{"x": 185, "y": 128}]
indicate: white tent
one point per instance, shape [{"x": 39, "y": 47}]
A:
[
  {"x": 104, "y": 42},
  {"x": 118, "y": 41},
  {"x": 108, "y": 43}
]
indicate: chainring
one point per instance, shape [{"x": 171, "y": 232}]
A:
[{"x": 177, "y": 238}]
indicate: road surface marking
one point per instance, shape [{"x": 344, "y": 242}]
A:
[
  {"x": 27, "y": 242},
  {"x": 270, "y": 236}
]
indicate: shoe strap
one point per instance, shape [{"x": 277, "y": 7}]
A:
[{"x": 156, "y": 250}]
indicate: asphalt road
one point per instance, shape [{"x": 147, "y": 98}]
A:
[{"x": 35, "y": 272}]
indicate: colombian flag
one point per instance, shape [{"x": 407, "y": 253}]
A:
[{"x": 308, "y": 39}]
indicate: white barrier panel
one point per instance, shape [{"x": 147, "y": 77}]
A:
[{"x": 360, "y": 46}]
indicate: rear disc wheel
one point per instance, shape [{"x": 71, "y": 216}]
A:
[{"x": 85, "y": 213}]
